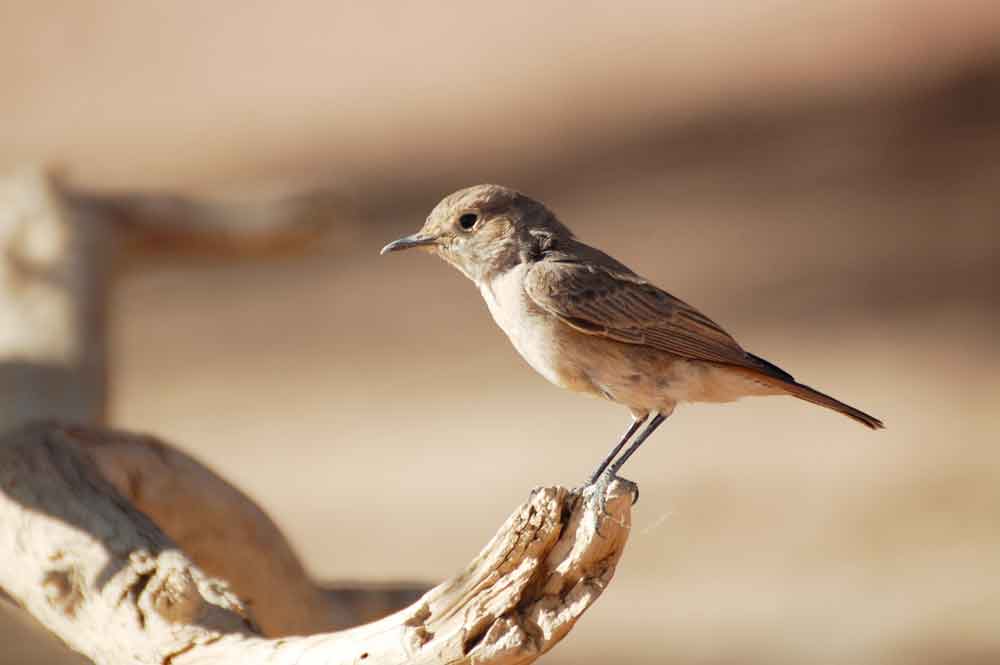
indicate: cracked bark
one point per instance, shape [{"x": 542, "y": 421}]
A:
[{"x": 107, "y": 579}]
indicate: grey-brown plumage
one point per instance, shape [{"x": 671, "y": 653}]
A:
[{"x": 587, "y": 322}]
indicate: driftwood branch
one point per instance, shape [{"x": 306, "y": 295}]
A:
[
  {"x": 209, "y": 519},
  {"x": 78, "y": 553},
  {"x": 198, "y": 510}
]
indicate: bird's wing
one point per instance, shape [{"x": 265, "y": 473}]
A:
[{"x": 616, "y": 303}]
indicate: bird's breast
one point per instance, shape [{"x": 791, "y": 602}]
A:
[{"x": 533, "y": 332}]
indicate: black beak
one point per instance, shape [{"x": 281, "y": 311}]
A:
[{"x": 407, "y": 242}]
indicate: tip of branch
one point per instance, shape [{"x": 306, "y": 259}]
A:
[{"x": 546, "y": 566}]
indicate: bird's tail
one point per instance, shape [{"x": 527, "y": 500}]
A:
[
  {"x": 786, "y": 383},
  {"x": 816, "y": 397}
]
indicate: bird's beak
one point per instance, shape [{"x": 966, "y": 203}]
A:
[{"x": 407, "y": 242}]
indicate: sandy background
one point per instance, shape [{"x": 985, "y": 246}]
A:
[{"x": 823, "y": 181}]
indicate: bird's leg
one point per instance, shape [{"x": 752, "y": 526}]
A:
[
  {"x": 636, "y": 423},
  {"x": 608, "y": 475},
  {"x": 653, "y": 424}
]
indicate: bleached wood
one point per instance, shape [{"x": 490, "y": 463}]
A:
[
  {"x": 92, "y": 568},
  {"x": 102, "y": 576},
  {"x": 225, "y": 533}
]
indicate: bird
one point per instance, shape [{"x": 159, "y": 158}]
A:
[{"x": 589, "y": 324}]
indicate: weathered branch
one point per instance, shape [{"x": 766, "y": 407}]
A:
[
  {"x": 199, "y": 511},
  {"x": 105, "y": 578}
]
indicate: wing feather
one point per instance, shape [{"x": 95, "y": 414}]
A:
[{"x": 614, "y": 302}]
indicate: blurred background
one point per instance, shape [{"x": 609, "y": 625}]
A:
[{"x": 821, "y": 178}]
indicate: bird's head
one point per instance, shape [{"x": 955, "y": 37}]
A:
[{"x": 485, "y": 230}]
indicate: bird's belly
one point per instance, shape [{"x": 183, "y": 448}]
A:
[
  {"x": 696, "y": 381},
  {"x": 651, "y": 380}
]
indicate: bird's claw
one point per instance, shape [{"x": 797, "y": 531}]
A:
[{"x": 596, "y": 492}]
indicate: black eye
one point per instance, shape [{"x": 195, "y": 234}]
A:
[{"x": 468, "y": 220}]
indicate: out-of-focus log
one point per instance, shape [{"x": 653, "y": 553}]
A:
[{"x": 249, "y": 225}]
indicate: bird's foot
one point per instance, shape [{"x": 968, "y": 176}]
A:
[{"x": 595, "y": 492}]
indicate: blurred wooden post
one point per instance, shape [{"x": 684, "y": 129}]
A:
[
  {"x": 56, "y": 265},
  {"x": 60, "y": 250}
]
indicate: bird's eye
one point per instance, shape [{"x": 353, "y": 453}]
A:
[{"x": 468, "y": 220}]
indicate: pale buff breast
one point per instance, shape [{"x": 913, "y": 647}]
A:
[{"x": 534, "y": 333}]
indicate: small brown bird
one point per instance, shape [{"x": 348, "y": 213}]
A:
[{"x": 587, "y": 323}]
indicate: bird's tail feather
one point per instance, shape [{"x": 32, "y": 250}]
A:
[
  {"x": 786, "y": 383},
  {"x": 816, "y": 397}
]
